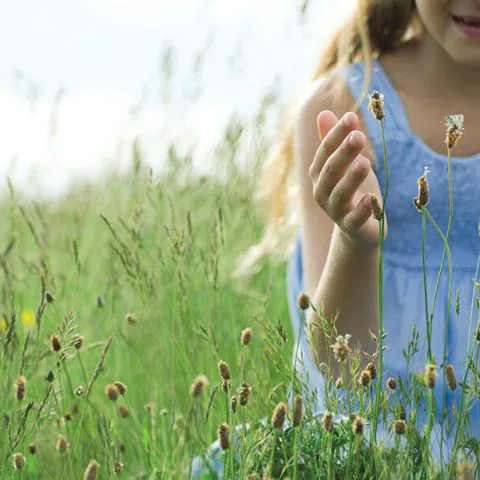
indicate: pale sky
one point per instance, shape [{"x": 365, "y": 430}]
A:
[{"x": 82, "y": 66}]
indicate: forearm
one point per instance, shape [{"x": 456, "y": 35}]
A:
[{"x": 348, "y": 285}]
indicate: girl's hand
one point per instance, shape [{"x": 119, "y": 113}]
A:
[{"x": 343, "y": 179}]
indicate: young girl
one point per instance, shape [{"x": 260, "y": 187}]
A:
[{"x": 424, "y": 57}]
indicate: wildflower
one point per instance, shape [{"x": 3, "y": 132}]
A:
[
  {"x": 375, "y": 104},
  {"x": 32, "y": 449},
  {"x": 357, "y": 425},
  {"x": 118, "y": 467},
  {"x": 28, "y": 319},
  {"x": 77, "y": 341},
  {"x": 279, "y": 415},
  {"x": 364, "y": 378},
  {"x": 451, "y": 380},
  {"x": 233, "y": 404},
  {"x": 423, "y": 194},
  {"x": 199, "y": 384},
  {"x": 246, "y": 336},
  {"x": 123, "y": 411},
  {"x": 327, "y": 421},
  {"x": 454, "y": 124},
  {"x": 303, "y": 302},
  {"x": 224, "y": 370},
  {"x": 49, "y": 297},
  {"x": 391, "y": 383},
  {"x": 244, "y": 394},
  {"x": 111, "y": 391},
  {"x": 400, "y": 427},
  {"x": 19, "y": 461},
  {"x": 91, "y": 471},
  {"x": 341, "y": 350},
  {"x": 376, "y": 209},
  {"x": 372, "y": 368},
  {"x": 122, "y": 388},
  {"x": 55, "y": 344},
  {"x": 20, "y": 387},
  {"x": 223, "y": 439},
  {"x": 297, "y": 411},
  {"x": 131, "y": 319},
  {"x": 431, "y": 375},
  {"x": 62, "y": 445}
]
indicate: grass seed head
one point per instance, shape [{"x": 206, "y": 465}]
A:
[
  {"x": 376, "y": 209},
  {"x": 244, "y": 394},
  {"x": 454, "y": 124},
  {"x": 246, "y": 336},
  {"x": 339, "y": 382},
  {"x": 400, "y": 412},
  {"x": 224, "y": 370},
  {"x": 279, "y": 416},
  {"x": 451, "y": 379},
  {"x": 79, "y": 391},
  {"x": 20, "y": 387},
  {"x": 431, "y": 375},
  {"x": 122, "y": 388},
  {"x": 123, "y": 411},
  {"x": 131, "y": 319},
  {"x": 32, "y": 448},
  {"x": 62, "y": 445},
  {"x": 77, "y": 341},
  {"x": 233, "y": 404},
  {"x": 365, "y": 378},
  {"x": 375, "y": 104},
  {"x": 423, "y": 193},
  {"x": 392, "y": 383},
  {"x": 341, "y": 350},
  {"x": 357, "y": 425},
  {"x": 112, "y": 392},
  {"x": 297, "y": 411},
  {"x": 198, "y": 386},
  {"x": 19, "y": 461},
  {"x": 91, "y": 471},
  {"x": 118, "y": 467},
  {"x": 400, "y": 427},
  {"x": 223, "y": 439},
  {"x": 225, "y": 386},
  {"x": 477, "y": 334},
  {"x": 303, "y": 301},
  {"x": 55, "y": 344},
  {"x": 100, "y": 302},
  {"x": 372, "y": 368},
  {"x": 327, "y": 421},
  {"x": 49, "y": 297}
]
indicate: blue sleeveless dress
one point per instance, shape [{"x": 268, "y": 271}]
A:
[{"x": 403, "y": 277}]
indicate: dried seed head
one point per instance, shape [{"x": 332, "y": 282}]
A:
[
  {"x": 451, "y": 379},
  {"x": 19, "y": 461},
  {"x": 246, "y": 336},
  {"x": 198, "y": 386},
  {"x": 244, "y": 394},
  {"x": 77, "y": 341},
  {"x": 357, "y": 425},
  {"x": 375, "y": 104},
  {"x": 364, "y": 378},
  {"x": 223, "y": 439},
  {"x": 400, "y": 427},
  {"x": 55, "y": 344},
  {"x": 297, "y": 411},
  {"x": 454, "y": 124},
  {"x": 225, "y": 386},
  {"x": 62, "y": 445},
  {"x": 122, "y": 388},
  {"x": 431, "y": 375},
  {"x": 91, "y": 471},
  {"x": 118, "y": 467},
  {"x": 123, "y": 411},
  {"x": 372, "y": 368},
  {"x": 111, "y": 391},
  {"x": 49, "y": 297},
  {"x": 303, "y": 301},
  {"x": 391, "y": 383},
  {"x": 376, "y": 209},
  {"x": 20, "y": 387},
  {"x": 400, "y": 412},
  {"x": 32, "y": 448},
  {"x": 131, "y": 319},
  {"x": 233, "y": 404},
  {"x": 341, "y": 350},
  {"x": 279, "y": 416},
  {"x": 423, "y": 194},
  {"x": 327, "y": 421},
  {"x": 224, "y": 370}
]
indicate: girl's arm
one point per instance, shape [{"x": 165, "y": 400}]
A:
[{"x": 340, "y": 259}]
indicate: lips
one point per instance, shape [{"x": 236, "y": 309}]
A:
[{"x": 468, "y": 20}]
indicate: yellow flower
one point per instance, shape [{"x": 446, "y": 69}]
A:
[
  {"x": 3, "y": 324},
  {"x": 28, "y": 319}
]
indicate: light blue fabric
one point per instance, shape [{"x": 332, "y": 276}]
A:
[{"x": 403, "y": 277}]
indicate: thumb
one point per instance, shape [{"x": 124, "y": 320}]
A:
[{"x": 326, "y": 120}]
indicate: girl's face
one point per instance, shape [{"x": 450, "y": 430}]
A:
[{"x": 455, "y": 26}]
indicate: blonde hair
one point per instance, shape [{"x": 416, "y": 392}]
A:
[{"x": 375, "y": 27}]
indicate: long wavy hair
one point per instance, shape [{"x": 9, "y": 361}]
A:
[{"x": 373, "y": 28}]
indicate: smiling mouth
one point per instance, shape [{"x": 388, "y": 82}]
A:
[{"x": 468, "y": 20}]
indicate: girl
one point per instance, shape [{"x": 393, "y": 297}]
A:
[{"x": 424, "y": 57}]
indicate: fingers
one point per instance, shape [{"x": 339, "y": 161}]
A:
[{"x": 356, "y": 218}]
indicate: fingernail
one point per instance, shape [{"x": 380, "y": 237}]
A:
[
  {"x": 346, "y": 119},
  {"x": 352, "y": 140}
]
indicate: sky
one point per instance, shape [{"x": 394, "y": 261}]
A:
[{"x": 79, "y": 80}]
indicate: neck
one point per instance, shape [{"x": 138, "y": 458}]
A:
[{"x": 442, "y": 74}]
